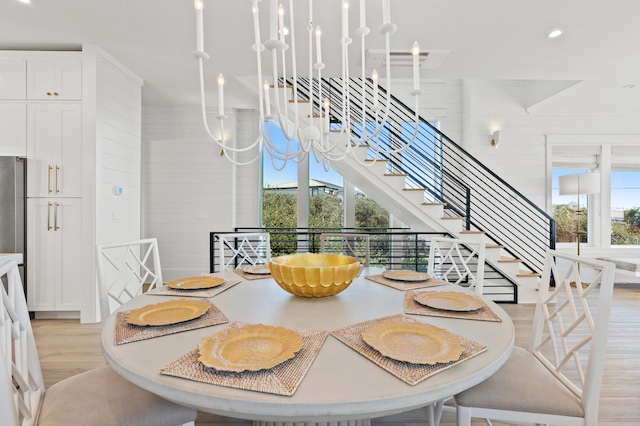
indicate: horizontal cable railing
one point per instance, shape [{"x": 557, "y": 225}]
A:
[
  {"x": 447, "y": 173},
  {"x": 390, "y": 248}
]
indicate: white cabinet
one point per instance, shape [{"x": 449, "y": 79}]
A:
[
  {"x": 54, "y": 247},
  {"x": 54, "y": 144},
  {"x": 13, "y": 128},
  {"x": 54, "y": 79},
  {"x": 13, "y": 79}
]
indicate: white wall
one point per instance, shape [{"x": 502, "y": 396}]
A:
[
  {"x": 118, "y": 152},
  {"x": 189, "y": 190},
  {"x": 111, "y": 155},
  {"x": 521, "y": 158}
]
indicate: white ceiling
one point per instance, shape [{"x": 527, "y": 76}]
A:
[{"x": 487, "y": 39}]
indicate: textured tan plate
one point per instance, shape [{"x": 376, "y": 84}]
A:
[
  {"x": 196, "y": 283},
  {"x": 252, "y": 347},
  {"x": 414, "y": 342},
  {"x": 405, "y": 275},
  {"x": 450, "y": 301},
  {"x": 256, "y": 269},
  {"x": 171, "y": 312}
]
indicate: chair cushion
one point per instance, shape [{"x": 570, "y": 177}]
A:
[
  {"x": 102, "y": 397},
  {"x": 523, "y": 384}
]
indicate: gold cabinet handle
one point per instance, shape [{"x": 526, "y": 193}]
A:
[
  {"x": 48, "y": 216},
  {"x": 55, "y": 93},
  {"x": 55, "y": 217},
  {"x": 57, "y": 170},
  {"x": 49, "y": 178},
  {"x": 48, "y": 93}
]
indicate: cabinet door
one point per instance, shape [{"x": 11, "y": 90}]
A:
[
  {"x": 54, "y": 247},
  {"x": 67, "y": 225},
  {"x": 13, "y": 128},
  {"x": 13, "y": 79},
  {"x": 54, "y": 143},
  {"x": 55, "y": 80},
  {"x": 42, "y": 248}
]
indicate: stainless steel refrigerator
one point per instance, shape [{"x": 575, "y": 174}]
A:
[{"x": 13, "y": 209}]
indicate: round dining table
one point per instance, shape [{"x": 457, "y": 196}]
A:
[{"x": 341, "y": 385}]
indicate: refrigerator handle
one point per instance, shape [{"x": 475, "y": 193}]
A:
[
  {"x": 55, "y": 217},
  {"x": 49, "y": 178},
  {"x": 48, "y": 216},
  {"x": 57, "y": 170}
]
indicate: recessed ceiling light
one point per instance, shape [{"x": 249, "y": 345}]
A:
[
  {"x": 25, "y": 1},
  {"x": 554, "y": 34},
  {"x": 629, "y": 86}
]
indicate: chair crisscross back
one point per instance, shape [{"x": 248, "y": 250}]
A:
[
  {"x": 236, "y": 250},
  {"x": 21, "y": 383},
  {"x": 98, "y": 397},
  {"x": 558, "y": 379},
  {"x": 351, "y": 244},
  {"x": 567, "y": 338},
  {"x": 458, "y": 261},
  {"x": 124, "y": 269}
]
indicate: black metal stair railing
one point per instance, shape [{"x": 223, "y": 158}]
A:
[{"x": 447, "y": 173}]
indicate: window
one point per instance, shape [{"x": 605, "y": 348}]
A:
[
  {"x": 569, "y": 212},
  {"x": 280, "y": 190},
  {"x": 279, "y": 195},
  {"x": 625, "y": 207}
]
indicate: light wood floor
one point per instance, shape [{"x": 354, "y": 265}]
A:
[{"x": 67, "y": 348}]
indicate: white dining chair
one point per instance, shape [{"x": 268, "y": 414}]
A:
[
  {"x": 459, "y": 262},
  {"x": 351, "y": 244},
  {"x": 97, "y": 397},
  {"x": 239, "y": 249},
  {"x": 557, "y": 380},
  {"x": 126, "y": 270}
]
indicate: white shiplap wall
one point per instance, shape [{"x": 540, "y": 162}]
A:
[
  {"x": 189, "y": 190},
  {"x": 118, "y": 152},
  {"x": 521, "y": 158},
  {"x": 111, "y": 146}
]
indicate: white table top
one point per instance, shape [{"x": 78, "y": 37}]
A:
[{"x": 340, "y": 385}]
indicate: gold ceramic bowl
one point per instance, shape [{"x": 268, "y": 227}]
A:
[{"x": 314, "y": 275}]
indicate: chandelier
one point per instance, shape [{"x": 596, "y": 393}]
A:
[{"x": 310, "y": 132}]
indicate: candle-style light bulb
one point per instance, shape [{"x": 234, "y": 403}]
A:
[
  {"x": 281, "y": 29},
  {"x": 318, "y": 46},
  {"x": 345, "y": 19},
  {"x": 273, "y": 20},
  {"x": 363, "y": 21},
  {"x": 199, "y": 26},
  {"x": 220, "y": 94},
  {"x": 374, "y": 77},
  {"x": 267, "y": 101},
  {"x": 386, "y": 12},
  {"x": 415, "y": 51}
]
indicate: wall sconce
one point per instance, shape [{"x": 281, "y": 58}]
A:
[{"x": 495, "y": 139}]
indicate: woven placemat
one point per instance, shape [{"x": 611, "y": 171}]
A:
[
  {"x": 405, "y": 285},
  {"x": 405, "y": 371},
  {"x": 412, "y": 307},
  {"x": 283, "y": 379},
  {"x": 248, "y": 276},
  {"x": 127, "y": 333},
  {"x": 204, "y": 293}
]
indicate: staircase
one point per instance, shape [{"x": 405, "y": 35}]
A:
[{"x": 435, "y": 185}]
